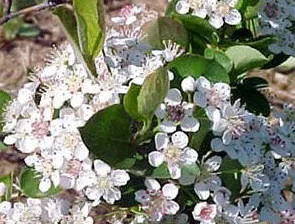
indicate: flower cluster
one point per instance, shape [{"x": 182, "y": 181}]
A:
[
  {"x": 197, "y": 140},
  {"x": 218, "y": 11},
  {"x": 277, "y": 18}
]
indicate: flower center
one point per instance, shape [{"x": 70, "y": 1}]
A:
[
  {"x": 74, "y": 83},
  {"x": 172, "y": 154},
  {"x": 271, "y": 10},
  {"x": 223, "y": 8},
  {"x": 73, "y": 167},
  {"x": 175, "y": 113},
  {"x": 40, "y": 128},
  {"x": 104, "y": 182},
  {"x": 205, "y": 213},
  {"x": 70, "y": 140},
  {"x": 236, "y": 126}
]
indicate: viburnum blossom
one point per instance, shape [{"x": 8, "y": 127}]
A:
[
  {"x": 173, "y": 151},
  {"x": 157, "y": 202},
  {"x": 205, "y": 213}
]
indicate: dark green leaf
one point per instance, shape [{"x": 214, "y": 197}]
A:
[
  {"x": 130, "y": 102},
  {"x": 8, "y": 181},
  {"x": 12, "y": 27},
  {"x": 29, "y": 182},
  {"x": 196, "y": 66},
  {"x": 165, "y": 28},
  {"x": 153, "y": 92},
  {"x": 276, "y": 60},
  {"x": 108, "y": 136},
  {"x": 245, "y": 58},
  {"x": 198, "y": 25},
  {"x": 254, "y": 83},
  {"x": 220, "y": 58},
  {"x": 29, "y": 30},
  {"x": 230, "y": 175}
]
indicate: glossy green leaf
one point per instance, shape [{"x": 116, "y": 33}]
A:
[
  {"x": 153, "y": 92},
  {"x": 220, "y": 57},
  {"x": 107, "y": 134},
  {"x": 245, "y": 58},
  {"x": 161, "y": 172},
  {"x": 29, "y": 183},
  {"x": 29, "y": 30},
  {"x": 130, "y": 102},
  {"x": 254, "y": 83},
  {"x": 189, "y": 173},
  {"x": 196, "y": 66},
  {"x": 8, "y": 181},
  {"x": 165, "y": 28}
]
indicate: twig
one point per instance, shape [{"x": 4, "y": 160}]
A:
[
  {"x": 32, "y": 9},
  {"x": 8, "y": 4}
]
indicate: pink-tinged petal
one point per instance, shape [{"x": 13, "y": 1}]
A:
[
  {"x": 156, "y": 158},
  {"x": 170, "y": 191}
]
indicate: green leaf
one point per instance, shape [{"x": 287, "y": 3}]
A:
[
  {"x": 196, "y": 66},
  {"x": 245, "y": 58},
  {"x": 161, "y": 172},
  {"x": 4, "y": 100},
  {"x": 276, "y": 60},
  {"x": 165, "y": 28},
  {"x": 28, "y": 30},
  {"x": 107, "y": 134},
  {"x": 198, "y": 25},
  {"x": 18, "y": 5},
  {"x": 130, "y": 102},
  {"x": 29, "y": 183},
  {"x": 86, "y": 29},
  {"x": 254, "y": 83},
  {"x": 220, "y": 58},
  {"x": 230, "y": 175},
  {"x": 3, "y": 147},
  {"x": 189, "y": 173},
  {"x": 153, "y": 92},
  {"x": 12, "y": 27},
  {"x": 8, "y": 181}
]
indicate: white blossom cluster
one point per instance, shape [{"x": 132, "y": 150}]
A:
[
  {"x": 218, "y": 12},
  {"x": 43, "y": 122},
  {"x": 42, "y": 211},
  {"x": 277, "y": 18}
]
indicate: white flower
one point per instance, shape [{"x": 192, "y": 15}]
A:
[
  {"x": 29, "y": 212},
  {"x": 208, "y": 95},
  {"x": 174, "y": 152},
  {"x": 48, "y": 165},
  {"x": 225, "y": 12},
  {"x": 106, "y": 183},
  {"x": 174, "y": 112},
  {"x": 78, "y": 215},
  {"x": 208, "y": 180},
  {"x": 205, "y": 213},
  {"x": 157, "y": 202}
]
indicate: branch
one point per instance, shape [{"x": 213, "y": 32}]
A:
[{"x": 29, "y": 10}]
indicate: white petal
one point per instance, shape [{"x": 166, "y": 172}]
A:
[
  {"x": 141, "y": 196},
  {"x": 161, "y": 111},
  {"x": 189, "y": 155},
  {"x": 217, "y": 145},
  {"x": 227, "y": 137},
  {"x": 152, "y": 184},
  {"x": 202, "y": 84},
  {"x": 190, "y": 124},
  {"x": 200, "y": 99},
  {"x": 44, "y": 185},
  {"x": 213, "y": 113},
  {"x": 161, "y": 141},
  {"x": 81, "y": 152},
  {"x": 171, "y": 207},
  {"x": 233, "y": 18},
  {"x": 55, "y": 178},
  {"x": 179, "y": 139},
  {"x": 120, "y": 177},
  {"x": 182, "y": 7},
  {"x": 156, "y": 158},
  {"x": 219, "y": 126},
  {"x": 77, "y": 100},
  {"x": 213, "y": 163},
  {"x": 175, "y": 171},
  {"x": 2, "y": 189},
  {"x": 173, "y": 97},
  {"x": 10, "y": 139},
  {"x": 168, "y": 126},
  {"x": 170, "y": 191},
  {"x": 101, "y": 168},
  {"x": 216, "y": 21},
  {"x": 188, "y": 84},
  {"x": 202, "y": 190}
]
